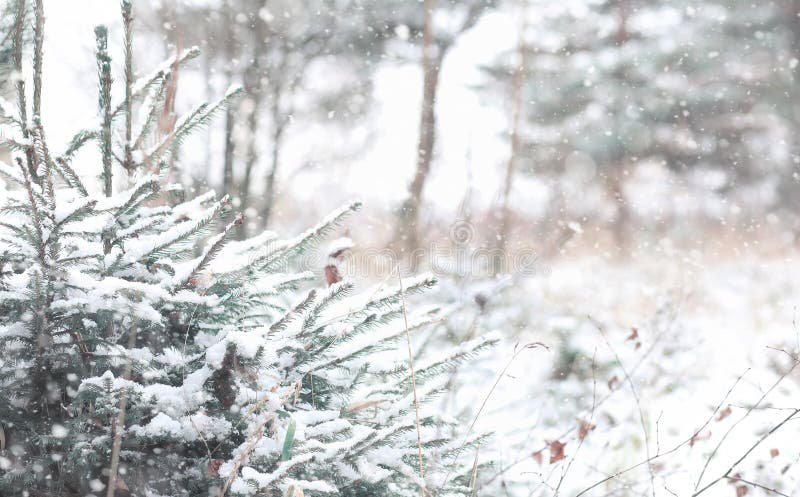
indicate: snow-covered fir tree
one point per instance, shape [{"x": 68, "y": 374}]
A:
[{"x": 133, "y": 363}]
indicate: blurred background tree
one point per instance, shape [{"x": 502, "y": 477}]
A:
[
  {"x": 276, "y": 49},
  {"x": 612, "y": 86}
]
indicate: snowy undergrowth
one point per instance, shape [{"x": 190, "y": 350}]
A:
[{"x": 711, "y": 339}]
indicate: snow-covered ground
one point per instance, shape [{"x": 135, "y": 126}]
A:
[{"x": 699, "y": 325}]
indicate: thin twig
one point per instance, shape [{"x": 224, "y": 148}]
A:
[
  {"x": 591, "y": 418},
  {"x": 734, "y": 425},
  {"x": 118, "y": 424},
  {"x": 747, "y": 453},
  {"x": 251, "y": 443},
  {"x": 670, "y": 451},
  {"x": 202, "y": 438},
  {"x": 756, "y": 485},
  {"x": 517, "y": 351},
  {"x": 413, "y": 383},
  {"x": 602, "y": 401},
  {"x": 474, "y": 476},
  {"x": 636, "y": 398}
]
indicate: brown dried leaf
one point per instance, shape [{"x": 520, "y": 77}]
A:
[
  {"x": 613, "y": 382},
  {"x": 584, "y": 427},
  {"x": 724, "y": 413},
  {"x": 332, "y": 275},
  {"x": 537, "y": 456},
  {"x": 741, "y": 490},
  {"x": 774, "y": 452},
  {"x": 634, "y": 335},
  {"x": 697, "y": 437},
  {"x": 556, "y": 451}
]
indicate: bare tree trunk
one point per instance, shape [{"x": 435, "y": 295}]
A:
[
  {"x": 431, "y": 62},
  {"x": 200, "y": 178},
  {"x": 254, "y": 90},
  {"x": 168, "y": 118},
  {"x": 792, "y": 9},
  {"x": 622, "y": 220},
  {"x": 250, "y": 161},
  {"x": 614, "y": 180},
  {"x": 623, "y": 13},
  {"x": 517, "y": 83},
  {"x": 790, "y": 189},
  {"x": 230, "y": 114},
  {"x": 227, "y": 171},
  {"x": 279, "y": 123}
]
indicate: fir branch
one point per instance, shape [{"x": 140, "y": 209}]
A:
[
  {"x": 104, "y": 103},
  {"x": 78, "y": 214},
  {"x": 135, "y": 230},
  {"x": 379, "y": 344},
  {"x": 70, "y": 176},
  {"x": 127, "y": 20},
  {"x": 19, "y": 31},
  {"x": 16, "y": 145},
  {"x": 388, "y": 299},
  {"x": 465, "y": 352},
  {"x": 285, "y": 252},
  {"x": 280, "y": 325},
  {"x": 335, "y": 293},
  {"x": 42, "y": 155},
  {"x": 15, "y": 206},
  {"x": 38, "y": 49},
  {"x": 37, "y": 221},
  {"x": 196, "y": 119},
  {"x": 21, "y": 232},
  {"x": 155, "y": 103},
  {"x": 157, "y": 76},
  {"x": 10, "y": 174},
  {"x": 213, "y": 249},
  {"x": 7, "y": 112},
  {"x": 369, "y": 323},
  {"x": 168, "y": 141},
  {"x": 79, "y": 140},
  {"x": 183, "y": 235},
  {"x": 146, "y": 189}
]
